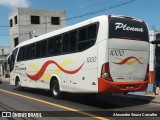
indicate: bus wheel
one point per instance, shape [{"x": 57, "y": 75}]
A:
[
  {"x": 18, "y": 86},
  {"x": 56, "y": 93}
]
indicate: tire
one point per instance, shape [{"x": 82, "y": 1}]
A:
[
  {"x": 18, "y": 86},
  {"x": 55, "y": 90}
]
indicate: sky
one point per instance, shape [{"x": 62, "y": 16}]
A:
[{"x": 80, "y": 10}]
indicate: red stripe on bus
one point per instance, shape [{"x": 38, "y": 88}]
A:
[
  {"x": 126, "y": 59},
  {"x": 40, "y": 73}
]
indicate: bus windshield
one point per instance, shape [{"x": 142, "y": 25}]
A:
[{"x": 128, "y": 28}]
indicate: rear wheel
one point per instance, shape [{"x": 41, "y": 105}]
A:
[{"x": 55, "y": 89}]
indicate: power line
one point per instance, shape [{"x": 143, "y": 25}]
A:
[
  {"x": 124, "y": 2},
  {"x": 103, "y": 9},
  {"x": 3, "y": 26},
  {"x": 87, "y": 6},
  {"x": 83, "y": 15}
]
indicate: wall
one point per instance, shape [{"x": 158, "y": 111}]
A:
[{"x": 24, "y": 27}]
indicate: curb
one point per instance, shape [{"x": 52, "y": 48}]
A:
[{"x": 151, "y": 99}]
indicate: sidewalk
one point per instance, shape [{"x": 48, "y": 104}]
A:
[{"x": 148, "y": 97}]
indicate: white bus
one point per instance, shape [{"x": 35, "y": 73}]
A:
[{"x": 105, "y": 54}]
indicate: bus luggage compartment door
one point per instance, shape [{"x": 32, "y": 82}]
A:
[{"x": 128, "y": 65}]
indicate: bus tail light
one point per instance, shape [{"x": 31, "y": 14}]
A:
[{"x": 105, "y": 72}]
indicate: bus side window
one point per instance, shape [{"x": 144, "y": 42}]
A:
[
  {"x": 92, "y": 31},
  {"x": 28, "y": 52},
  {"x": 44, "y": 48},
  {"x": 15, "y": 53},
  {"x": 12, "y": 59},
  {"x": 87, "y": 37},
  {"x": 19, "y": 57},
  {"x": 65, "y": 47},
  {"x": 51, "y": 46},
  {"x": 73, "y": 41},
  {"x": 33, "y": 51},
  {"x": 82, "y": 34},
  {"x": 58, "y": 44},
  {"x": 21, "y": 54},
  {"x": 38, "y": 49}
]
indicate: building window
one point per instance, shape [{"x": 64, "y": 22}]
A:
[
  {"x": 16, "y": 41},
  {"x": 35, "y": 20},
  {"x": 11, "y": 23},
  {"x": 15, "y": 20},
  {"x": 55, "y": 21}
]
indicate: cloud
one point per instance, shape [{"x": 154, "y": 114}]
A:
[{"x": 12, "y": 4}]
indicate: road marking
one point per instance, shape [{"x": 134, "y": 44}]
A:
[{"x": 57, "y": 105}]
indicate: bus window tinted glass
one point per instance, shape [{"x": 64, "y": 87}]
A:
[
  {"x": 51, "y": 46},
  {"x": 92, "y": 30},
  {"x": 126, "y": 28},
  {"x": 43, "y": 48},
  {"x": 58, "y": 44},
  {"x": 38, "y": 49},
  {"x": 85, "y": 45},
  {"x": 65, "y": 43},
  {"x": 82, "y": 34},
  {"x": 87, "y": 37},
  {"x": 21, "y": 54},
  {"x": 28, "y": 52},
  {"x": 73, "y": 41},
  {"x": 33, "y": 51}
]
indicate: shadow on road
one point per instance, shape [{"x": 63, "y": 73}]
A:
[{"x": 103, "y": 101}]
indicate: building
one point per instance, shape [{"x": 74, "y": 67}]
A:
[
  {"x": 4, "y": 52},
  {"x": 4, "y": 70},
  {"x": 154, "y": 35},
  {"x": 26, "y": 23}
]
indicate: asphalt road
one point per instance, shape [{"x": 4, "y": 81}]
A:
[{"x": 71, "y": 106}]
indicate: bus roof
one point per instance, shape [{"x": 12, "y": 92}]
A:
[{"x": 68, "y": 28}]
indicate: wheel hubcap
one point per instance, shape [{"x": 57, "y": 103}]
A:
[{"x": 55, "y": 90}]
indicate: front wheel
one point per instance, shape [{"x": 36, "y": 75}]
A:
[
  {"x": 18, "y": 84},
  {"x": 56, "y": 93}
]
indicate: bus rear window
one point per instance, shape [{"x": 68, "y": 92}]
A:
[{"x": 126, "y": 28}]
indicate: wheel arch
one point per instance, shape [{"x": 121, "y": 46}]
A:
[{"x": 17, "y": 77}]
